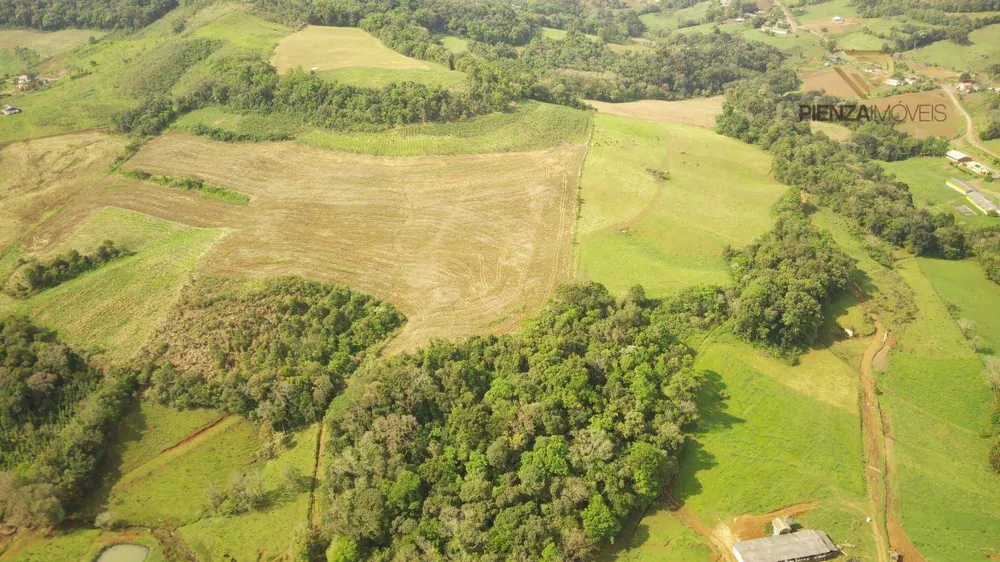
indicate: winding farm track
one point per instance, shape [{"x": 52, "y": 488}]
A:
[
  {"x": 879, "y": 461},
  {"x": 970, "y": 127}
]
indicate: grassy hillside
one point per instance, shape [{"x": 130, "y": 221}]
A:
[
  {"x": 938, "y": 403},
  {"x": 98, "y": 80},
  {"x": 667, "y": 234},
  {"x": 353, "y": 56},
  {"x": 982, "y": 51},
  {"x": 116, "y": 307}
]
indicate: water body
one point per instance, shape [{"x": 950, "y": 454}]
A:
[{"x": 124, "y": 553}]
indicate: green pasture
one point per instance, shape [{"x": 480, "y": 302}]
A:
[
  {"x": 938, "y": 404},
  {"x": 667, "y": 234},
  {"x": 823, "y": 12},
  {"x": 169, "y": 489},
  {"x": 774, "y": 435},
  {"x": 267, "y": 533},
  {"x": 672, "y": 19},
  {"x": 83, "y": 545},
  {"x": 435, "y": 75},
  {"x": 661, "y": 537},
  {"x": 926, "y": 177},
  {"x": 982, "y": 51},
  {"x": 116, "y": 307}
]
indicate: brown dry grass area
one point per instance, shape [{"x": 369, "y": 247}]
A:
[
  {"x": 949, "y": 128},
  {"x": 829, "y": 81},
  {"x": 41, "y": 176},
  {"x": 700, "y": 112},
  {"x": 460, "y": 244}
]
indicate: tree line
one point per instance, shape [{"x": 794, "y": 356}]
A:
[
  {"x": 50, "y": 15},
  {"x": 848, "y": 182},
  {"x": 32, "y": 277}
]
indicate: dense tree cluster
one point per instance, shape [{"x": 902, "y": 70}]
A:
[
  {"x": 275, "y": 351},
  {"x": 879, "y": 140},
  {"x": 42, "y": 380},
  {"x": 850, "y": 184},
  {"x": 533, "y": 446},
  {"x": 783, "y": 279},
  {"x": 681, "y": 66},
  {"x": 253, "y": 86},
  {"x": 33, "y": 277},
  {"x": 57, "y": 414},
  {"x": 101, "y": 14}
]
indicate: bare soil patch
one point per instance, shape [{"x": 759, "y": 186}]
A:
[
  {"x": 749, "y": 526},
  {"x": 949, "y": 127},
  {"x": 460, "y": 244},
  {"x": 700, "y": 111},
  {"x": 830, "y": 81}
]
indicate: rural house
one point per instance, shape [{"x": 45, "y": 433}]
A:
[
  {"x": 838, "y": 19},
  {"x": 790, "y": 547},
  {"x": 23, "y": 79},
  {"x": 9, "y": 110},
  {"x": 893, "y": 82},
  {"x": 967, "y": 86}
]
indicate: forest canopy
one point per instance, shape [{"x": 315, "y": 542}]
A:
[{"x": 533, "y": 446}]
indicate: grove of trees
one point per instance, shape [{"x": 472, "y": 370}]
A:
[{"x": 533, "y": 446}]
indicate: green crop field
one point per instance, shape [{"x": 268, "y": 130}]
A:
[
  {"x": 667, "y": 235},
  {"x": 824, "y": 12},
  {"x": 266, "y": 533},
  {"x": 531, "y": 126},
  {"x": 926, "y": 177},
  {"x": 117, "y": 306}
]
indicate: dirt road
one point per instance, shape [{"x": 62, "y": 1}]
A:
[{"x": 971, "y": 136}]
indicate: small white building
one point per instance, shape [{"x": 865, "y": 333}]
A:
[
  {"x": 967, "y": 86},
  {"x": 838, "y": 19},
  {"x": 23, "y": 79},
  {"x": 9, "y": 110},
  {"x": 894, "y": 82}
]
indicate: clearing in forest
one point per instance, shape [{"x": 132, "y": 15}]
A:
[
  {"x": 354, "y": 56},
  {"x": 660, "y": 202}
]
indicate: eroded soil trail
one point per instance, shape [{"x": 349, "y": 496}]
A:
[{"x": 879, "y": 462}]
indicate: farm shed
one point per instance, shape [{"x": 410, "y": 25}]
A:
[
  {"x": 783, "y": 525},
  {"x": 956, "y": 156},
  {"x": 792, "y": 547},
  {"x": 984, "y": 204},
  {"x": 9, "y": 110}
]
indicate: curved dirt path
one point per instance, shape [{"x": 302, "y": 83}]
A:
[
  {"x": 690, "y": 520},
  {"x": 877, "y": 443},
  {"x": 970, "y": 127}
]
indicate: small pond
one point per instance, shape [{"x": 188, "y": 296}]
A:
[{"x": 124, "y": 553}]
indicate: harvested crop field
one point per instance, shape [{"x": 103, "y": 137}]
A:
[
  {"x": 833, "y": 83},
  {"x": 329, "y": 48},
  {"x": 699, "y": 111},
  {"x": 460, "y": 244},
  {"x": 40, "y": 176},
  {"x": 951, "y": 126}
]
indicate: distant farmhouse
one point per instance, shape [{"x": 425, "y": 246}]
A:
[
  {"x": 894, "y": 82},
  {"x": 787, "y": 547},
  {"x": 974, "y": 196},
  {"x": 9, "y": 110},
  {"x": 964, "y": 160},
  {"x": 838, "y": 19},
  {"x": 967, "y": 86}
]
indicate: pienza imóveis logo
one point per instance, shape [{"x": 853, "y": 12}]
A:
[{"x": 890, "y": 113}]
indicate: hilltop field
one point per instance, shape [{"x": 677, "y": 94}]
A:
[{"x": 426, "y": 259}]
